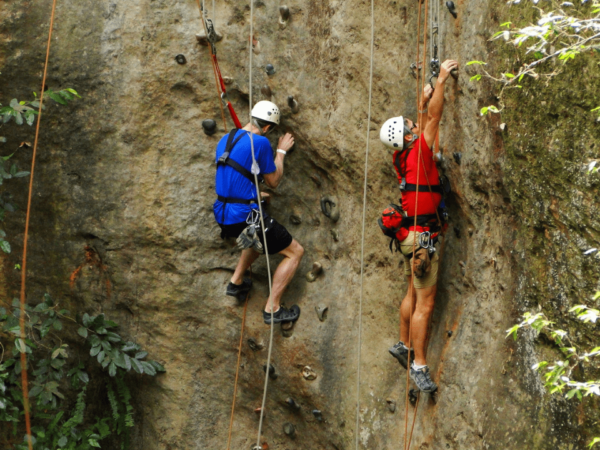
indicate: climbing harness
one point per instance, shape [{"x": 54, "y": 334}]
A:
[
  {"x": 362, "y": 242},
  {"x": 248, "y": 238},
  {"x": 211, "y": 38},
  {"x": 226, "y": 160},
  {"x": 23, "y": 335}
]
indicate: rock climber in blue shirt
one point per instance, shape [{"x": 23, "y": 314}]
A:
[{"x": 236, "y": 206}]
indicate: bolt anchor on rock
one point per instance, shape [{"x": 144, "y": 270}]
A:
[
  {"x": 180, "y": 59},
  {"x": 317, "y": 269},
  {"x": 270, "y": 69},
  {"x": 318, "y": 415}
]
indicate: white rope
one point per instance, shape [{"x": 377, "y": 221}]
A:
[
  {"x": 362, "y": 243},
  {"x": 262, "y": 224}
]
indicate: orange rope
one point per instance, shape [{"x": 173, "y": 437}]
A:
[
  {"x": 237, "y": 369},
  {"x": 24, "y": 382},
  {"x": 410, "y": 289},
  {"x": 212, "y": 60},
  {"x": 414, "y": 419}
]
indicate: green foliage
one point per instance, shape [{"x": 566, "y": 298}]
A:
[
  {"x": 23, "y": 112},
  {"x": 55, "y": 378},
  {"x": 561, "y": 33}
]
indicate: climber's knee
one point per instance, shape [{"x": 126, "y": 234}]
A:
[{"x": 294, "y": 250}]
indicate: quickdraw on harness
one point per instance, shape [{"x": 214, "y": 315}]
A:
[
  {"x": 211, "y": 37},
  {"x": 226, "y": 160}
]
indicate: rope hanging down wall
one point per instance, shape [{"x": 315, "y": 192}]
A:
[
  {"x": 362, "y": 240},
  {"x": 262, "y": 224},
  {"x": 25, "y": 238}
]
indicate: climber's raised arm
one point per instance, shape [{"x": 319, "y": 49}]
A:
[
  {"x": 436, "y": 104},
  {"x": 273, "y": 179}
]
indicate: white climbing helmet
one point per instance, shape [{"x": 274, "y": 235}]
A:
[
  {"x": 267, "y": 111},
  {"x": 393, "y": 131}
]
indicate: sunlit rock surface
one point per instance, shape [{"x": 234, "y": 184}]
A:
[{"x": 128, "y": 172}]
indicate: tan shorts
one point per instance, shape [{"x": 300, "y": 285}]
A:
[{"x": 406, "y": 247}]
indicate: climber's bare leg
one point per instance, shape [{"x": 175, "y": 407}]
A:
[
  {"x": 420, "y": 322},
  {"x": 246, "y": 259},
  {"x": 284, "y": 273}
]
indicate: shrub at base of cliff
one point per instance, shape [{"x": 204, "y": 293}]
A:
[{"x": 60, "y": 386}]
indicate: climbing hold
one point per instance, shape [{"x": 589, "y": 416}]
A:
[
  {"x": 391, "y": 405},
  {"x": 227, "y": 80},
  {"x": 318, "y": 415},
  {"x": 254, "y": 346},
  {"x": 209, "y": 126},
  {"x": 454, "y": 73},
  {"x": 329, "y": 207},
  {"x": 335, "y": 234},
  {"x": 317, "y": 268},
  {"x": 293, "y": 104},
  {"x": 259, "y": 409},
  {"x": 295, "y": 219},
  {"x": 308, "y": 373},
  {"x": 287, "y": 328},
  {"x": 270, "y": 69},
  {"x": 292, "y": 404},
  {"x": 289, "y": 430},
  {"x": 449, "y": 333},
  {"x": 272, "y": 374},
  {"x": 413, "y": 395},
  {"x": 266, "y": 91},
  {"x": 457, "y": 157},
  {"x": 322, "y": 312},
  {"x": 180, "y": 59},
  {"x": 284, "y": 14},
  {"x": 452, "y": 9}
]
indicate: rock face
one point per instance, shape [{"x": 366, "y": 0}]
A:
[{"x": 128, "y": 172}]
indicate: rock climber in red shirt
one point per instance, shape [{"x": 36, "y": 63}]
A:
[{"x": 414, "y": 163}]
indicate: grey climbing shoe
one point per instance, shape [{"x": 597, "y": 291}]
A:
[
  {"x": 422, "y": 379},
  {"x": 400, "y": 352},
  {"x": 239, "y": 291},
  {"x": 283, "y": 315}
]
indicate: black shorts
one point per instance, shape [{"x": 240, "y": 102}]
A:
[{"x": 278, "y": 238}]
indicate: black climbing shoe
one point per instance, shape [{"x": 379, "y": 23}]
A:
[
  {"x": 283, "y": 315},
  {"x": 239, "y": 291},
  {"x": 422, "y": 379},
  {"x": 400, "y": 352}
]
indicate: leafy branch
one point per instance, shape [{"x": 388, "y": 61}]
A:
[
  {"x": 560, "y": 34},
  {"x": 55, "y": 424}
]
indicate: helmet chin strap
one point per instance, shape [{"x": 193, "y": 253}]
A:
[{"x": 409, "y": 143}]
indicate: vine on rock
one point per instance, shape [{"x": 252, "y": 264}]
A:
[{"x": 57, "y": 378}]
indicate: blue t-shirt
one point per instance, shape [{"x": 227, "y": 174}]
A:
[{"x": 230, "y": 183}]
